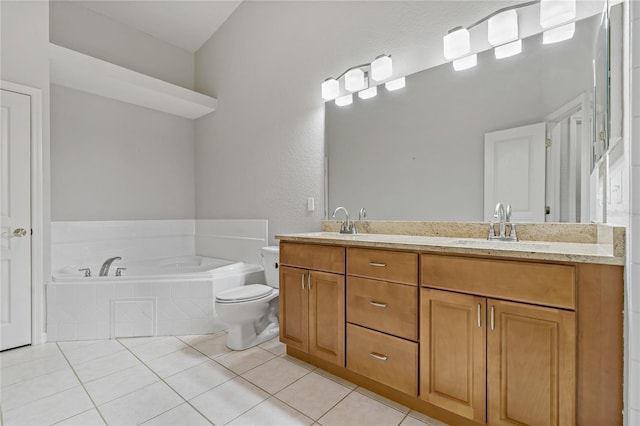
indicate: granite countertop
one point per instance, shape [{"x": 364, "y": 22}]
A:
[{"x": 582, "y": 252}]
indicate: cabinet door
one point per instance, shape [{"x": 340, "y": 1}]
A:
[
  {"x": 294, "y": 307},
  {"x": 531, "y": 365},
  {"x": 452, "y": 352},
  {"x": 326, "y": 316}
]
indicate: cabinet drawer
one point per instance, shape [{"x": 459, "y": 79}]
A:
[
  {"x": 537, "y": 283},
  {"x": 386, "y": 359},
  {"x": 387, "y": 307},
  {"x": 313, "y": 256},
  {"x": 383, "y": 264}
]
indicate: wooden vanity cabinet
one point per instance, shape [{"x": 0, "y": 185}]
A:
[
  {"x": 529, "y": 370},
  {"x": 382, "y": 317},
  {"x": 312, "y": 300}
]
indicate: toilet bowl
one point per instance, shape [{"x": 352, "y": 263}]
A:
[{"x": 251, "y": 311}]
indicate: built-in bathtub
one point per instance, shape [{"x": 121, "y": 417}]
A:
[{"x": 170, "y": 296}]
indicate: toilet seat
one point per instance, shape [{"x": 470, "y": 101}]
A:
[{"x": 246, "y": 293}]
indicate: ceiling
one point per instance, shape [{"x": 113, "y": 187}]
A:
[{"x": 187, "y": 24}]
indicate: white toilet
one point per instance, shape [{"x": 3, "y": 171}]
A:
[{"x": 251, "y": 311}]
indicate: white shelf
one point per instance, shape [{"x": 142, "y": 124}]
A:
[{"x": 82, "y": 72}]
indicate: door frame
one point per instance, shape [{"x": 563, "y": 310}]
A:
[{"x": 38, "y": 334}]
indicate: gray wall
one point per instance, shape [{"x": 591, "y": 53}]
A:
[
  {"x": 115, "y": 161},
  {"x": 418, "y": 153},
  {"x": 85, "y": 31}
]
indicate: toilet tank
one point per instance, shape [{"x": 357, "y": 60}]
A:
[{"x": 271, "y": 263}]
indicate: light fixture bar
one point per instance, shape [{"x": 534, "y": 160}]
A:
[{"x": 504, "y": 9}]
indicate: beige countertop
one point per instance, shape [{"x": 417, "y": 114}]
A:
[{"x": 594, "y": 252}]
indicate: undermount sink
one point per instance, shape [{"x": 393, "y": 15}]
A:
[{"x": 497, "y": 244}]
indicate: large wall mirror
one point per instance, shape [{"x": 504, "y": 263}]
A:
[{"x": 424, "y": 152}]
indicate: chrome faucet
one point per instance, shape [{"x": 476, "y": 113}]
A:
[
  {"x": 104, "y": 270},
  {"x": 504, "y": 218},
  {"x": 347, "y": 226}
]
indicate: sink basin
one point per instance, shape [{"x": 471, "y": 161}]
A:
[{"x": 509, "y": 245}]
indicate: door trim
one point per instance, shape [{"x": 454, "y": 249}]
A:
[{"x": 38, "y": 334}]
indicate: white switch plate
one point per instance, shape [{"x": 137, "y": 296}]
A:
[{"x": 311, "y": 204}]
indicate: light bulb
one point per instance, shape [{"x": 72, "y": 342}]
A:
[
  {"x": 354, "y": 80},
  {"x": 465, "y": 63},
  {"x": 344, "y": 100},
  {"x": 396, "y": 84},
  {"x": 368, "y": 93},
  {"x": 555, "y": 12},
  {"x": 556, "y": 35},
  {"x": 503, "y": 28},
  {"x": 456, "y": 43},
  {"x": 508, "y": 49},
  {"x": 330, "y": 89},
  {"x": 381, "y": 68}
]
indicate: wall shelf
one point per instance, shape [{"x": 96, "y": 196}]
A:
[{"x": 82, "y": 72}]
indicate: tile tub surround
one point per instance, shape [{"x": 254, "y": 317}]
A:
[
  {"x": 588, "y": 243},
  {"x": 126, "y": 381}
]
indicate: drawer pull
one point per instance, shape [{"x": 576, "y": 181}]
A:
[
  {"x": 479, "y": 319},
  {"x": 378, "y": 304},
  {"x": 377, "y": 264},
  {"x": 379, "y": 356},
  {"x": 302, "y": 281},
  {"x": 493, "y": 318}
]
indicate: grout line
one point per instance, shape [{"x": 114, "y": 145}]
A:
[{"x": 82, "y": 384}]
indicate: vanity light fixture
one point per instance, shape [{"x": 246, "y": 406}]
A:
[
  {"x": 559, "y": 34},
  {"x": 368, "y": 93},
  {"x": 502, "y": 31},
  {"x": 508, "y": 49},
  {"x": 465, "y": 63},
  {"x": 396, "y": 84},
  {"x": 556, "y": 12},
  {"x": 344, "y": 100},
  {"x": 358, "y": 78}
]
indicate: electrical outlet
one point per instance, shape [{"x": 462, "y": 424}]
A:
[{"x": 311, "y": 204}]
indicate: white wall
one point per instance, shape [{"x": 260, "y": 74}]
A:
[
  {"x": 115, "y": 161},
  {"x": 91, "y": 33},
  {"x": 24, "y": 49}
]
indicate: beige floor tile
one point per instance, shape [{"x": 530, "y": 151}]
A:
[
  {"x": 32, "y": 369},
  {"x": 412, "y": 421},
  {"x": 180, "y": 416},
  {"x": 274, "y": 346},
  {"x": 158, "y": 347},
  {"x": 141, "y": 405},
  {"x": 336, "y": 379},
  {"x": 51, "y": 409},
  {"x": 313, "y": 395},
  {"x": 25, "y": 392},
  {"x": 357, "y": 409},
  {"x": 196, "y": 339},
  {"x": 88, "y": 418},
  {"x": 194, "y": 381},
  {"x": 382, "y": 399},
  {"x": 121, "y": 383},
  {"x": 275, "y": 375},
  {"x": 97, "y": 350},
  {"x": 298, "y": 362},
  {"x": 105, "y": 366},
  {"x": 176, "y": 362},
  {"x": 271, "y": 412},
  {"x": 241, "y": 361},
  {"x": 132, "y": 342},
  {"x": 27, "y": 353},
  {"x": 229, "y": 400},
  {"x": 213, "y": 348},
  {"x": 426, "y": 419}
]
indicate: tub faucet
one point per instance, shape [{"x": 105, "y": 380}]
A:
[
  {"x": 104, "y": 270},
  {"x": 347, "y": 226}
]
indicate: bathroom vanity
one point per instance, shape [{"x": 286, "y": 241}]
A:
[{"x": 462, "y": 329}]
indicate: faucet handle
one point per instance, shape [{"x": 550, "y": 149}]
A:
[
  {"x": 119, "y": 271},
  {"x": 362, "y": 213},
  {"x": 508, "y": 213},
  {"x": 87, "y": 271}
]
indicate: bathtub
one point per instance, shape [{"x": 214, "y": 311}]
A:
[{"x": 172, "y": 296}]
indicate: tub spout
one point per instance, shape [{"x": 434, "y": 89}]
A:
[{"x": 104, "y": 270}]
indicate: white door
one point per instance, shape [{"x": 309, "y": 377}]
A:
[
  {"x": 15, "y": 220},
  {"x": 514, "y": 172}
]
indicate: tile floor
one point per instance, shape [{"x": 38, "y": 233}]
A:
[{"x": 185, "y": 380}]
